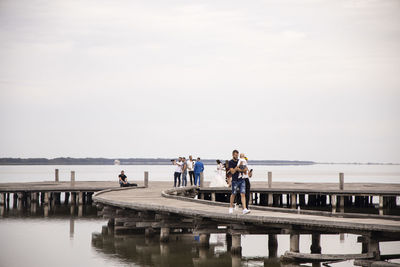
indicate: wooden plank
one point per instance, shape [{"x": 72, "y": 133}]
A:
[{"x": 307, "y": 257}]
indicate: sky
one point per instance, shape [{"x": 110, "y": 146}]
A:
[{"x": 281, "y": 79}]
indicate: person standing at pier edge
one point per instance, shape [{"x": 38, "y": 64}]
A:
[
  {"x": 190, "y": 165},
  {"x": 178, "y": 171},
  {"x": 184, "y": 172},
  {"x": 198, "y": 169},
  {"x": 238, "y": 183}
]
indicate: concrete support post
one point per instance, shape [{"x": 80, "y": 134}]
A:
[
  {"x": 213, "y": 196},
  {"x": 293, "y": 201},
  {"x": 72, "y": 178},
  {"x": 205, "y": 240},
  {"x": 56, "y": 178},
  {"x": 8, "y": 200},
  {"x": 228, "y": 241},
  {"x": 15, "y": 200},
  {"x": 236, "y": 248},
  {"x": 164, "y": 234},
  {"x": 80, "y": 210},
  {"x": 46, "y": 211},
  {"x": 341, "y": 203},
  {"x": 80, "y": 198},
  {"x": 272, "y": 246},
  {"x": 201, "y": 179},
  {"x": 46, "y": 198},
  {"x": 73, "y": 198},
  {"x": 3, "y": 199},
  {"x": 270, "y": 199},
  {"x": 381, "y": 202},
  {"x": 333, "y": 203},
  {"x": 373, "y": 247},
  {"x": 315, "y": 244},
  {"x": 341, "y": 181},
  {"x": 294, "y": 242},
  {"x": 146, "y": 179}
]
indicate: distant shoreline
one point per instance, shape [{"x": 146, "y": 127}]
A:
[{"x": 154, "y": 161}]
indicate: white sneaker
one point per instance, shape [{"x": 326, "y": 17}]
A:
[
  {"x": 245, "y": 211},
  {"x": 230, "y": 210}
]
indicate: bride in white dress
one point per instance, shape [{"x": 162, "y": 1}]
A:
[{"x": 219, "y": 178}]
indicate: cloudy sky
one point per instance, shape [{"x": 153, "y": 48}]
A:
[{"x": 302, "y": 79}]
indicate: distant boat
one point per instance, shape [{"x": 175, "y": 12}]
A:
[{"x": 117, "y": 162}]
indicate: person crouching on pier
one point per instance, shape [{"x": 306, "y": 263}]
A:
[
  {"x": 123, "y": 180},
  {"x": 238, "y": 183}
]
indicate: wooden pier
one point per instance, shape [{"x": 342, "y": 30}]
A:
[
  {"x": 160, "y": 211},
  {"x": 154, "y": 208}
]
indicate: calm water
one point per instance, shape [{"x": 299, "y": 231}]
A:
[
  {"x": 64, "y": 239},
  {"x": 311, "y": 173}
]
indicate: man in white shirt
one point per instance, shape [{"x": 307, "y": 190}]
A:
[
  {"x": 178, "y": 171},
  {"x": 190, "y": 166}
]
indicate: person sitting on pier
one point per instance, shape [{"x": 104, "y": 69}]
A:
[
  {"x": 238, "y": 183},
  {"x": 123, "y": 180}
]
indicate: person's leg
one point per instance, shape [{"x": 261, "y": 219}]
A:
[
  {"x": 233, "y": 193},
  {"x": 184, "y": 179},
  {"x": 175, "y": 177},
  {"x": 232, "y": 199},
  {"x": 196, "y": 177},
  {"x": 191, "y": 177},
  {"x": 247, "y": 184},
  {"x": 179, "y": 179},
  {"x": 243, "y": 198},
  {"x": 242, "y": 187}
]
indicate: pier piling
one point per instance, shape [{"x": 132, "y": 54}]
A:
[
  {"x": 56, "y": 176},
  {"x": 164, "y": 234},
  {"x": 341, "y": 181},
  {"x": 294, "y": 242},
  {"x": 272, "y": 246},
  {"x": 146, "y": 179},
  {"x": 236, "y": 248},
  {"x": 315, "y": 244},
  {"x": 72, "y": 178}
]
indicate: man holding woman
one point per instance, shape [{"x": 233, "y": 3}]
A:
[{"x": 238, "y": 183}]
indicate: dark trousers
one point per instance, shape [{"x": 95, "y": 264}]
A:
[
  {"x": 177, "y": 176},
  {"x": 191, "y": 175},
  {"x": 126, "y": 185},
  {"x": 247, "y": 182}
]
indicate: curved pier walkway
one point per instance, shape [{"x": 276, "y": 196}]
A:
[{"x": 151, "y": 199}]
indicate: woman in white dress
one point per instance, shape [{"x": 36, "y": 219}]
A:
[{"x": 219, "y": 178}]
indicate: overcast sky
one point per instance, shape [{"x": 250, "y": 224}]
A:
[{"x": 297, "y": 80}]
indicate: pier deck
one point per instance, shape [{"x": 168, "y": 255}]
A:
[{"x": 151, "y": 199}]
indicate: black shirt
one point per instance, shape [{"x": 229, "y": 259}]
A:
[
  {"x": 233, "y": 164},
  {"x": 122, "y": 176}
]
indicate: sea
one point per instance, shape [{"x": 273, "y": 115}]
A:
[{"x": 64, "y": 239}]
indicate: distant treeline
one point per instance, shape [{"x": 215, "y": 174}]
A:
[{"x": 129, "y": 161}]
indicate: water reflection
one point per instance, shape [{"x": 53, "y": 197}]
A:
[{"x": 181, "y": 250}]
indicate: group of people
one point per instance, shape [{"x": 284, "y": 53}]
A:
[
  {"x": 237, "y": 175},
  {"x": 183, "y": 167}
]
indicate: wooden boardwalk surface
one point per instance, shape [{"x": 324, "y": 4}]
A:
[
  {"x": 151, "y": 199},
  {"x": 87, "y": 186},
  {"x": 332, "y": 188}
]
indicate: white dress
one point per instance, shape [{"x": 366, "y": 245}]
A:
[{"x": 219, "y": 178}]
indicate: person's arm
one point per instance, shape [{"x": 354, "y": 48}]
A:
[{"x": 202, "y": 167}]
